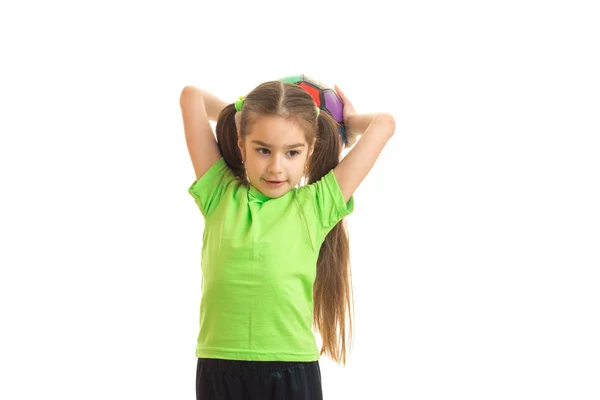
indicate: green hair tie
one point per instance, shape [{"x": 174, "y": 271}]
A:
[
  {"x": 239, "y": 103},
  {"x": 318, "y": 111}
]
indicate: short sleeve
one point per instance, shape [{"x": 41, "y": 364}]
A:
[
  {"x": 328, "y": 202},
  {"x": 209, "y": 189}
]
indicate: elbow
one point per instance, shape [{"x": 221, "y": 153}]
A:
[
  {"x": 387, "y": 122},
  {"x": 189, "y": 93},
  {"x": 189, "y": 89}
]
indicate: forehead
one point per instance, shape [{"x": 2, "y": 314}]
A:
[{"x": 276, "y": 130}]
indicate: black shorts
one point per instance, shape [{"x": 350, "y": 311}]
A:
[{"x": 218, "y": 379}]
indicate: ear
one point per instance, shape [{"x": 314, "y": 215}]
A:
[
  {"x": 311, "y": 149},
  {"x": 240, "y": 144},
  {"x": 238, "y": 121}
]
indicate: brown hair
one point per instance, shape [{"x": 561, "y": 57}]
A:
[{"x": 332, "y": 290}]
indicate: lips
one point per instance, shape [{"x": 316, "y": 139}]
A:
[{"x": 274, "y": 183}]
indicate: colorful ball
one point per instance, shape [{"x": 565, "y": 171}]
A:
[{"x": 324, "y": 96}]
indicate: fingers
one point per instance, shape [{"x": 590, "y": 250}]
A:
[
  {"x": 339, "y": 92},
  {"x": 342, "y": 95}
]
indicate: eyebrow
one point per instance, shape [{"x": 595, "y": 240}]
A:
[{"x": 289, "y": 146}]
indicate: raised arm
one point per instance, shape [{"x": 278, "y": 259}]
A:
[
  {"x": 198, "y": 107},
  {"x": 376, "y": 130}
]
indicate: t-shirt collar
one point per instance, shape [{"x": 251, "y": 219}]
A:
[{"x": 257, "y": 195}]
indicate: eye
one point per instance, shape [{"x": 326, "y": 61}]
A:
[
  {"x": 262, "y": 150},
  {"x": 294, "y": 153}
]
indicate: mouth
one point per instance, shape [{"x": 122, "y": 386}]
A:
[{"x": 274, "y": 183}]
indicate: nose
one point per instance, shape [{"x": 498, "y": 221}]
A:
[{"x": 275, "y": 166}]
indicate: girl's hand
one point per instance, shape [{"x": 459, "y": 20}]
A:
[
  {"x": 348, "y": 107},
  {"x": 348, "y": 114}
]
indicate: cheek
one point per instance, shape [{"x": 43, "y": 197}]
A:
[
  {"x": 299, "y": 169},
  {"x": 255, "y": 166},
  {"x": 251, "y": 167}
]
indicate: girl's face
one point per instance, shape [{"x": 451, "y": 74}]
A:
[{"x": 276, "y": 153}]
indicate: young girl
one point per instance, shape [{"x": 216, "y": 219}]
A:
[{"x": 275, "y": 254}]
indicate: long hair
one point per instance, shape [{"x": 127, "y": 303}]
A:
[{"x": 332, "y": 289}]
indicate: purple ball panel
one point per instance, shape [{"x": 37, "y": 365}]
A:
[{"x": 334, "y": 104}]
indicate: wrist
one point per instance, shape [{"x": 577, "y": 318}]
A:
[
  {"x": 211, "y": 103},
  {"x": 358, "y": 123}
]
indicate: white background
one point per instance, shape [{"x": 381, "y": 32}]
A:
[{"x": 475, "y": 239}]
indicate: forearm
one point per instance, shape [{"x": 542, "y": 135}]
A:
[{"x": 212, "y": 104}]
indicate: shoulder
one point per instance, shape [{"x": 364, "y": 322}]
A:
[
  {"x": 217, "y": 173},
  {"x": 324, "y": 199},
  {"x": 216, "y": 184},
  {"x": 326, "y": 187}
]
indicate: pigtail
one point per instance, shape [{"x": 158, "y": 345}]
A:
[
  {"x": 328, "y": 148},
  {"x": 332, "y": 290},
  {"x": 227, "y": 139}
]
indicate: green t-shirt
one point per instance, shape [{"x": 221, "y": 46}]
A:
[{"x": 259, "y": 258}]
